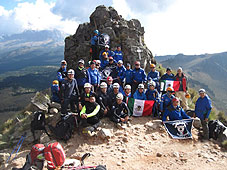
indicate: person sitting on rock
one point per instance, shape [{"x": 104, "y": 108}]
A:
[
  {"x": 203, "y": 108},
  {"x": 168, "y": 75},
  {"x": 120, "y": 72},
  {"x": 112, "y": 96},
  {"x": 127, "y": 91},
  {"x": 106, "y": 52},
  {"x": 104, "y": 61},
  {"x": 152, "y": 94},
  {"x": 94, "y": 45},
  {"x": 119, "y": 110},
  {"x": 128, "y": 75},
  {"x": 174, "y": 111},
  {"x": 94, "y": 76},
  {"x": 84, "y": 97},
  {"x": 69, "y": 93},
  {"x": 154, "y": 75},
  {"x": 62, "y": 72},
  {"x": 55, "y": 90},
  {"x": 81, "y": 75},
  {"x": 139, "y": 94},
  {"x": 138, "y": 76},
  {"x": 118, "y": 54},
  {"x": 166, "y": 99},
  {"x": 89, "y": 115},
  {"x": 102, "y": 100}
]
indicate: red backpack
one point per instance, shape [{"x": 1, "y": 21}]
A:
[
  {"x": 55, "y": 155},
  {"x": 35, "y": 152}
]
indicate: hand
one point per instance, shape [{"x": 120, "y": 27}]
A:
[
  {"x": 105, "y": 111},
  {"x": 62, "y": 101},
  {"x": 80, "y": 107},
  {"x": 118, "y": 77},
  {"x": 126, "y": 118},
  {"x": 86, "y": 99},
  {"x": 84, "y": 116},
  {"x": 122, "y": 120},
  {"x": 206, "y": 119},
  {"x": 135, "y": 81}
]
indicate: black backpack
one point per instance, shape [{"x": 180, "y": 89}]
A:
[
  {"x": 215, "y": 129},
  {"x": 38, "y": 123},
  {"x": 64, "y": 128}
]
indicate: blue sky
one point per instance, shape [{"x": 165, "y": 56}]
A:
[{"x": 171, "y": 26}]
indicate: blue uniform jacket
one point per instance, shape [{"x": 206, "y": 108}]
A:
[
  {"x": 139, "y": 75},
  {"x": 153, "y": 76},
  {"x": 140, "y": 96},
  {"x": 118, "y": 55},
  {"x": 152, "y": 95},
  {"x": 168, "y": 77},
  {"x": 128, "y": 76},
  {"x": 94, "y": 40},
  {"x": 94, "y": 76},
  {"x": 55, "y": 93},
  {"x": 60, "y": 76},
  {"x": 121, "y": 72},
  {"x": 203, "y": 107},
  {"x": 165, "y": 101},
  {"x": 175, "y": 114}
]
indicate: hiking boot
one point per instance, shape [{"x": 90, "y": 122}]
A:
[
  {"x": 119, "y": 126},
  {"x": 90, "y": 133}
]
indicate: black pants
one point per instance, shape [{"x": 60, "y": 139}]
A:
[
  {"x": 134, "y": 86},
  {"x": 95, "y": 55},
  {"x": 81, "y": 89},
  {"x": 90, "y": 121},
  {"x": 72, "y": 102},
  {"x": 116, "y": 119}
]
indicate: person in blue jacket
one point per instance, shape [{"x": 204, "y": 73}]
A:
[
  {"x": 94, "y": 76},
  {"x": 81, "y": 75},
  {"x": 166, "y": 99},
  {"x": 62, "y": 72},
  {"x": 94, "y": 45},
  {"x": 175, "y": 112},
  {"x": 168, "y": 75},
  {"x": 104, "y": 51},
  {"x": 203, "y": 108},
  {"x": 128, "y": 75},
  {"x": 120, "y": 72},
  {"x": 138, "y": 76},
  {"x": 139, "y": 94},
  {"x": 55, "y": 90},
  {"x": 154, "y": 75},
  {"x": 118, "y": 54},
  {"x": 152, "y": 94},
  {"x": 104, "y": 61}
]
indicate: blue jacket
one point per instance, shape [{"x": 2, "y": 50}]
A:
[
  {"x": 94, "y": 76},
  {"x": 121, "y": 72},
  {"x": 140, "y": 96},
  {"x": 104, "y": 63},
  {"x": 130, "y": 94},
  {"x": 94, "y": 40},
  {"x": 152, "y": 94},
  {"x": 153, "y": 76},
  {"x": 69, "y": 89},
  {"x": 139, "y": 75},
  {"x": 118, "y": 55},
  {"x": 168, "y": 77},
  {"x": 203, "y": 107},
  {"x": 55, "y": 93},
  {"x": 82, "y": 76},
  {"x": 165, "y": 101},
  {"x": 128, "y": 76},
  {"x": 62, "y": 73},
  {"x": 175, "y": 114}
]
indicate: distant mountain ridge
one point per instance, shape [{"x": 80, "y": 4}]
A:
[{"x": 207, "y": 71}]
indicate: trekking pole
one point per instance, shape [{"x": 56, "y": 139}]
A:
[{"x": 18, "y": 144}]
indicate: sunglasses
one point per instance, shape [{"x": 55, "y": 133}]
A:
[{"x": 137, "y": 65}]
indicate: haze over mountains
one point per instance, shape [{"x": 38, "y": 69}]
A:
[{"x": 207, "y": 71}]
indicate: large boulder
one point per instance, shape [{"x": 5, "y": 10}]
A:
[{"x": 128, "y": 34}]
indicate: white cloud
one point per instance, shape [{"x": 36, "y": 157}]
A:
[{"x": 35, "y": 16}]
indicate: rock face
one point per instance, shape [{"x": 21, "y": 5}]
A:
[{"x": 128, "y": 34}]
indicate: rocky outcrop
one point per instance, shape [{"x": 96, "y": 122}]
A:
[{"x": 128, "y": 34}]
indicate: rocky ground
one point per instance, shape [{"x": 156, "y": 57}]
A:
[{"x": 143, "y": 146}]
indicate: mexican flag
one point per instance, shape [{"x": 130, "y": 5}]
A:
[
  {"x": 140, "y": 107},
  {"x": 169, "y": 83}
]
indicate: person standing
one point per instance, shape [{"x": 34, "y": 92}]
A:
[
  {"x": 94, "y": 76},
  {"x": 154, "y": 75},
  {"x": 81, "y": 75},
  {"x": 94, "y": 45},
  {"x": 118, "y": 54},
  {"x": 168, "y": 75},
  {"x": 180, "y": 76},
  {"x": 62, "y": 72},
  {"x": 69, "y": 93},
  {"x": 203, "y": 108}
]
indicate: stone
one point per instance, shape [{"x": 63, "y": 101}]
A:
[
  {"x": 123, "y": 151},
  {"x": 176, "y": 154},
  {"x": 128, "y": 34},
  {"x": 53, "y": 111},
  {"x": 1, "y": 136},
  {"x": 125, "y": 139},
  {"x": 105, "y": 133},
  {"x": 159, "y": 154},
  {"x": 197, "y": 123},
  {"x": 3, "y": 157},
  {"x": 41, "y": 101}
]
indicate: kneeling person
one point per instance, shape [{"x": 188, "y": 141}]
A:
[
  {"x": 120, "y": 111},
  {"x": 175, "y": 112},
  {"x": 89, "y": 113}
]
